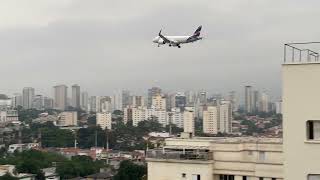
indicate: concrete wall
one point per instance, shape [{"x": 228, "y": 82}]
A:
[
  {"x": 301, "y": 102},
  {"x": 174, "y": 170}
]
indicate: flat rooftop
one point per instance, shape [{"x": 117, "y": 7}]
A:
[{"x": 230, "y": 140}]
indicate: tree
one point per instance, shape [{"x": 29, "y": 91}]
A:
[
  {"x": 130, "y": 171},
  {"x": 7, "y": 176}
]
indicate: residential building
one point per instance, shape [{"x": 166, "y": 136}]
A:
[
  {"x": 248, "y": 99},
  {"x": 202, "y": 96},
  {"x": 264, "y": 103},
  {"x": 218, "y": 118},
  {"x": 117, "y": 101},
  {"x": 68, "y": 118},
  {"x": 175, "y": 116},
  {"x": 137, "y": 101},
  {"x": 210, "y": 120},
  {"x": 138, "y": 115},
  {"x": 47, "y": 103},
  {"x": 16, "y": 100},
  {"x": 75, "y": 101},
  {"x": 126, "y": 98},
  {"x": 8, "y": 115},
  {"x": 104, "y": 120},
  {"x": 301, "y": 119},
  {"x": 27, "y": 97},
  {"x": 188, "y": 120},
  {"x": 84, "y": 101},
  {"x": 151, "y": 93},
  {"x": 180, "y": 100},
  {"x": 278, "y": 107},
  {"x": 38, "y": 102},
  {"x": 217, "y": 158},
  {"x": 159, "y": 102},
  {"x": 93, "y": 104},
  {"x": 60, "y": 97}
]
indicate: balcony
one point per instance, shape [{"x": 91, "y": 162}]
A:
[{"x": 179, "y": 155}]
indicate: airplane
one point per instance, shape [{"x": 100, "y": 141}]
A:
[{"x": 177, "y": 40}]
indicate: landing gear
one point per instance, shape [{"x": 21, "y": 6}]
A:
[
  {"x": 179, "y": 46},
  {"x": 170, "y": 45}
]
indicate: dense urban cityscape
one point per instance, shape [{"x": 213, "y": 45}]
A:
[{"x": 112, "y": 129}]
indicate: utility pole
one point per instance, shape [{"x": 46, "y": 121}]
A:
[
  {"x": 40, "y": 138},
  {"x": 75, "y": 139},
  {"x": 96, "y": 139},
  {"x": 107, "y": 146}
]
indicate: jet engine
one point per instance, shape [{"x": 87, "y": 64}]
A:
[{"x": 161, "y": 41}]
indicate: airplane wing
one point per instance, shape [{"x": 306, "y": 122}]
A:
[{"x": 166, "y": 40}]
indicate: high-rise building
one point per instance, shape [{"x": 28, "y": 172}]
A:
[
  {"x": 159, "y": 102},
  {"x": 27, "y": 97},
  {"x": 104, "y": 120},
  {"x": 202, "y": 96},
  {"x": 17, "y": 100},
  {"x": 233, "y": 99},
  {"x": 278, "y": 107},
  {"x": 137, "y": 101},
  {"x": 93, "y": 104},
  {"x": 75, "y": 96},
  {"x": 126, "y": 98},
  {"x": 188, "y": 120},
  {"x": 38, "y": 102},
  {"x": 264, "y": 103},
  {"x": 153, "y": 92},
  {"x": 180, "y": 100},
  {"x": 248, "y": 99},
  {"x": 47, "y": 103},
  {"x": 218, "y": 118},
  {"x": 190, "y": 97},
  {"x": 84, "y": 100},
  {"x": 210, "y": 120},
  {"x": 117, "y": 101},
  {"x": 175, "y": 116},
  {"x": 60, "y": 97}
]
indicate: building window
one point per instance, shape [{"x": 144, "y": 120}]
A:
[
  {"x": 244, "y": 178},
  {"x": 314, "y": 177},
  {"x": 313, "y": 130},
  {"x": 196, "y": 177},
  {"x": 184, "y": 175},
  {"x": 226, "y": 177},
  {"x": 273, "y": 178},
  {"x": 260, "y": 178},
  {"x": 262, "y": 156}
]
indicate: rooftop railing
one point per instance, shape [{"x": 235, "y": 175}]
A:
[
  {"x": 301, "y": 52},
  {"x": 179, "y": 155}
]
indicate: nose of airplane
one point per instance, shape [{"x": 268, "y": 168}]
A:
[{"x": 155, "y": 40}]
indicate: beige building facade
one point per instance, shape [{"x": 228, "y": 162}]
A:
[
  {"x": 301, "y": 120},
  {"x": 201, "y": 158}
]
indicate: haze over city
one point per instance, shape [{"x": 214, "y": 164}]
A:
[{"x": 104, "y": 46}]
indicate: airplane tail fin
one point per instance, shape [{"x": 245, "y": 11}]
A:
[{"x": 197, "y": 32}]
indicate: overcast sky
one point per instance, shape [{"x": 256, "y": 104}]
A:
[{"x": 104, "y": 45}]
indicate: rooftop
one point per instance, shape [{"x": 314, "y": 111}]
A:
[{"x": 230, "y": 140}]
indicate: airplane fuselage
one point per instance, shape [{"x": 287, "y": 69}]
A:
[{"x": 176, "y": 39}]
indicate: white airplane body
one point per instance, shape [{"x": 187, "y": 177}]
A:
[{"x": 177, "y": 40}]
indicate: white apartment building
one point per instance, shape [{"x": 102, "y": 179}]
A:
[
  {"x": 138, "y": 114},
  {"x": 8, "y": 115},
  {"x": 176, "y": 117},
  {"x": 201, "y": 158},
  {"x": 301, "y": 120},
  {"x": 225, "y": 117},
  {"x": 159, "y": 102},
  {"x": 68, "y": 118},
  {"x": 210, "y": 120},
  {"x": 104, "y": 120},
  {"x": 188, "y": 120}
]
